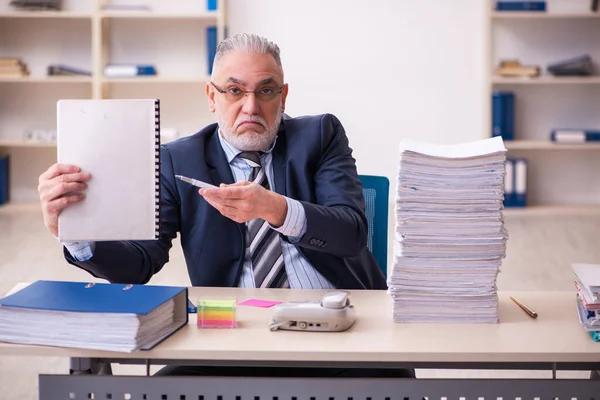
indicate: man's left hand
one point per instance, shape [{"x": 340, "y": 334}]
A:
[{"x": 245, "y": 201}]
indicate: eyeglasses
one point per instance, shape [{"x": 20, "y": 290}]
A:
[{"x": 235, "y": 93}]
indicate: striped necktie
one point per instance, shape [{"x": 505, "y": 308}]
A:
[{"x": 263, "y": 242}]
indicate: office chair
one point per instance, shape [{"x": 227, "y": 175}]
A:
[{"x": 376, "y": 192}]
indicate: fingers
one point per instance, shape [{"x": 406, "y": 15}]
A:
[
  {"x": 57, "y": 205},
  {"x": 57, "y": 170},
  {"x": 50, "y": 191},
  {"x": 225, "y": 210},
  {"x": 240, "y": 183},
  {"x": 245, "y": 191}
]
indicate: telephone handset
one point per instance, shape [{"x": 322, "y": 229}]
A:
[{"x": 333, "y": 313}]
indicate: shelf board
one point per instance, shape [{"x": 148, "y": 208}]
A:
[
  {"x": 549, "y": 145},
  {"x": 553, "y": 210},
  {"x": 548, "y": 80},
  {"x": 542, "y": 15},
  {"x": 47, "y": 79},
  {"x": 46, "y": 14},
  {"x": 160, "y": 15},
  {"x": 157, "y": 79},
  {"x": 20, "y": 143}
]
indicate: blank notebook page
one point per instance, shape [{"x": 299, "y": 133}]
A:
[{"x": 117, "y": 142}]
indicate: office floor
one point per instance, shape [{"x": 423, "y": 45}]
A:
[{"x": 540, "y": 250}]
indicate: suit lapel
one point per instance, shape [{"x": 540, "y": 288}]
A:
[
  {"x": 219, "y": 169},
  {"x": 279, "y": 156}
]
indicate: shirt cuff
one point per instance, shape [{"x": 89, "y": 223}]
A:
[
  {"x": 81, "y": 251},
  {"x": 294, "y": 225}
]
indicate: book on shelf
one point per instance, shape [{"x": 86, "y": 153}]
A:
[
  {"x": 122, "y": 6},
  {"x": 515, "y": 183},
  {"x": 4, "y": 179},
  {"x": 568, "y": 6},
  {"x": 212, "y": 5},
  {"x": 514, "y": 69},
  {"x": 211, "y": 46},
  {"x": 34, "y": 5},
  {"x": 575, "y": 135},
  {"x": 577, "y": 66},
  {"x": 13, "y": 67},
  {"x": 66, "y": 70},
  {"x": 129, "y": 70},
  {"x": 503, "y": 114},
  {"x": 511, "y": 5},
  {"x": 97, "y": 316}
]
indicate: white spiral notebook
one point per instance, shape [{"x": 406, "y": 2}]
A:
[{"x": 118, "y": 143}]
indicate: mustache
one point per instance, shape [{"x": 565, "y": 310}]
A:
[{"x": 251, "y": 118}]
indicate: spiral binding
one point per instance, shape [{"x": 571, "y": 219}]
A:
[{"x": 157, "y": 169}]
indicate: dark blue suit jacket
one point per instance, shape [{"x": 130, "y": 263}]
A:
[{"x": 312, "y": 163}]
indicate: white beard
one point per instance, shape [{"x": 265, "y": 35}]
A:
[{"x": 250, "y": 141}]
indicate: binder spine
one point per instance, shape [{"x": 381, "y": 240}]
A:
[{"x": 157, "y": 169}]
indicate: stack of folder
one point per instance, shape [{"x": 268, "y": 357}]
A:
[
  {"x": 450, "y": 238},
  {"x": 13, "y": 67},
  {"x": 97, "y": 316},
  {"x": 587, "y": 283}
]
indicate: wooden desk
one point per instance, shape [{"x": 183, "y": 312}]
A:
[{"x": 554, "y": 340}]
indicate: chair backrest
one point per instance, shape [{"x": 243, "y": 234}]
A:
[{"x": 376, "y": 192}]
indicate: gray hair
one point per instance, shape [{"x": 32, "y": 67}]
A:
[{"x": 248, "y": 42}]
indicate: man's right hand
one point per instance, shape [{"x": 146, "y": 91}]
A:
[{"x": 59, "y": 187}]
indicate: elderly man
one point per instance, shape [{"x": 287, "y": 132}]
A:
[{"x": 288, "y": 210}]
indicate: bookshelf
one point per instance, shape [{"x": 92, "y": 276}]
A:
[
  {"x": 562, "y": 178},
  {"x": 170, "y": 35}
]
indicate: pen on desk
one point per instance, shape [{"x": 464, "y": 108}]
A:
[
  {"x": 528, "y": 310},
  {"x": 195, "y": 182}
]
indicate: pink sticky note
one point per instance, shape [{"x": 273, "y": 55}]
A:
[{"x": 259, "y": 303}]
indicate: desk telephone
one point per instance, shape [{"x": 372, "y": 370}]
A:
[{"x": 333, "y": 313}]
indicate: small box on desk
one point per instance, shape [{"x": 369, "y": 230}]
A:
[{"x": 216, "y": 313}]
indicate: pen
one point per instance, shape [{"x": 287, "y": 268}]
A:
[
  {"x": 528, "y": 310},
  {"x": 195, "y": 182}
]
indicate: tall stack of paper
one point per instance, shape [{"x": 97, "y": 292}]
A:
[
  {"x": 450, "y": 237},
  {"x": 587, "y": 283}
]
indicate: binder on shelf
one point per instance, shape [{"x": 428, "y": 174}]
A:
[
  {"x": 515, "y": 183},
  {"x": 577, "y": 66},
  {"x": 211, "y": 5},
  {"x": 509, "y": 183},
  {"x": 4, "y": 179},
  {"x": 520, "y": 182},
  {"x": 128, "y": 70},
  {"x": 66, "y": 70},
  {"x": 503, "y": 114},
  {"x": 521, "y": 6},
  {"x": 211, "y": 46},
  {"x": 99, "y": 316},
  {"x": 118, "y": 143},
  {"x": 574, "y": 136}
]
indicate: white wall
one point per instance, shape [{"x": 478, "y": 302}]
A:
[{"x": 387, "y": 68}]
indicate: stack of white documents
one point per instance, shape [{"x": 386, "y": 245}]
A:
[
  {"x": 450, "y": 237},
  {"x": 587, "y": 283}
]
